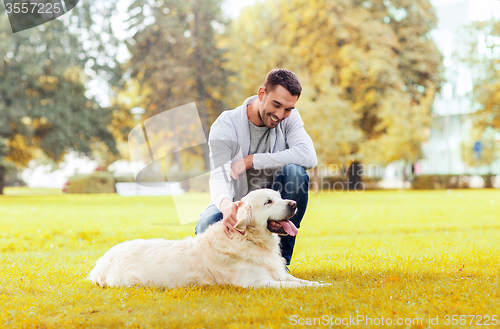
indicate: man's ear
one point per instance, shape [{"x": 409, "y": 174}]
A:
[
  {"x": 244, "y": 217},
  {"x": 261, "y": 92}
]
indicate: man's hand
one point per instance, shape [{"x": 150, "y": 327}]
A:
[
  {"x": 229, "y": 210},
  {"x": 241, "y": 165}
]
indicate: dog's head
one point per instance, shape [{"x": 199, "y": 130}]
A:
[{"x": 266, "y": 209}]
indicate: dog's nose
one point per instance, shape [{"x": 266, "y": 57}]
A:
[{"x": 292, "y": 204}]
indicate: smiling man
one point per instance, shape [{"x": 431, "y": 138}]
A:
[{"x": 268, "y": 134}]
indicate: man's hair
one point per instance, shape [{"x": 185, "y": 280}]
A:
[{"x": 285, "y": 78}]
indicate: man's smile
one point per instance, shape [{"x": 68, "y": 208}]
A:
[{"x": 274, "y": 118}]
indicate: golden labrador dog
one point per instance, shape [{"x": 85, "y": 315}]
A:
[{"x": 252, "y": 259}]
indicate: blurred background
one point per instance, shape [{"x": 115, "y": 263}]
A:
[{"x": 396, "y": 93}]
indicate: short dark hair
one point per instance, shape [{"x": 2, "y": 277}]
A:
[{"x": 285, "y": 78}]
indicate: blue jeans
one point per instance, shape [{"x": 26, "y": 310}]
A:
[{"x": 293, "y": 183}]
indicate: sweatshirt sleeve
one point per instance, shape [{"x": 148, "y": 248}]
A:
[
  {"x": 222, "y": 150},
  {"x": 300, "y": 148}
]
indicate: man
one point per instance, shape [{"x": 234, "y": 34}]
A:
[{"x": 268, "y": 133}]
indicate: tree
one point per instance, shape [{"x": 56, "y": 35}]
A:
[
  {"x": 174, "y": 57},
  {"x": 484, "y": 61},
  {"x": 369, "y": 70},
  {"x": 43, "y": 107}
]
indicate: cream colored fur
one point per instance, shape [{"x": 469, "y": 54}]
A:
[{"x": 249, "y": 260}]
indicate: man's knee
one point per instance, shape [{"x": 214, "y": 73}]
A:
[
  {"x": 295, "y": 179},
  {"x": 295, "y": 172},
  {"x": 206, "y": 219},
  {"x": 203, "y": 224}
]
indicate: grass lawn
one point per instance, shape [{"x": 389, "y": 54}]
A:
[{"x": 396, "y": 255}]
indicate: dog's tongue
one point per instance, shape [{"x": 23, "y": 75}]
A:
[{"x": 289, "y": 228}]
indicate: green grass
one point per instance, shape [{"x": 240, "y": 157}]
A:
[{"x": 390, "y": 254}]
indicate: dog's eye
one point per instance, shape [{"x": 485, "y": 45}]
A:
[{"x": 268, "y": 202}]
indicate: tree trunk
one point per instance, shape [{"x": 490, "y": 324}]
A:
[
  {"x": 200, "y": 72},
  {"x": 2, "y": 179},
  {"x": 404, "y": 174}
]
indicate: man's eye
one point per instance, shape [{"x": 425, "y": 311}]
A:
[
  {"x": 268, "y": 202},
  {"x": 276, "y": 106}
]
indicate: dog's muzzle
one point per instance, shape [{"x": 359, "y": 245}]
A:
[{"x": 284, "y": 227}]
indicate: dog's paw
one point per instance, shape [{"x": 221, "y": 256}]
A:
[{"x": 319, "y": 284}]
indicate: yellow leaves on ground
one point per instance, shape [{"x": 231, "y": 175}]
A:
[
  {"x": 384, "y": 281},
  {"x": 389, "y": 254}
]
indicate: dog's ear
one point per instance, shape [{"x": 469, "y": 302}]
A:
[{"x": 244, "y": 216}]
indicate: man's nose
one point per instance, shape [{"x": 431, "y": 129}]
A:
[{"x": 280, "y": 114}]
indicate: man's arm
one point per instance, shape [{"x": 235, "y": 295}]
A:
[
  {"x": 241, "y": 166},
  {"x": 219, "y": 187},
  {"x": 223, "y": 148},
  {"x": 301, "y": 148}
]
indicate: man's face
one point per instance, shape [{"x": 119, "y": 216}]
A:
[{"x": 275, "y": 106}]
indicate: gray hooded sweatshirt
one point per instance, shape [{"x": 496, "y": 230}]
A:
[{"x": 230, "y": 134}]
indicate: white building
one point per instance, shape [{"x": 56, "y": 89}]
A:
[{"x": 443, "y": 151}]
